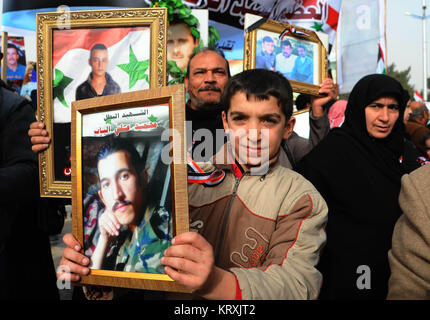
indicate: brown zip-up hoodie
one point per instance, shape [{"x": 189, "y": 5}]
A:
[{"x": 268, "y": 230}]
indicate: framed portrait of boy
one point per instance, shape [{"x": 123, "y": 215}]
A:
[
  {"x": 87, "y": 54},
  {"x": 297, "y": 53},
  {"x": 129, "y": 182}
]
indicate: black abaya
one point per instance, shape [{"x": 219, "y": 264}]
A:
[{"x": 359, "y": 177}]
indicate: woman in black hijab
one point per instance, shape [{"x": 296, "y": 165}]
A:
[{"x": 357, "y": 169}]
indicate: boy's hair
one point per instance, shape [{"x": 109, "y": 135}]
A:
[
  {"x": 302, "y": 100},
  {"x": 260, "y": 84}
]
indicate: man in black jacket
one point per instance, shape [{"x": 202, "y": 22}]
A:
[{"x": 24, "y": 273}]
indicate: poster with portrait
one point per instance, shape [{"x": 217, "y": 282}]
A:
[
  {"x": 295, "y": 52},
  {"x": 129, "y": 194},
  {"x": 91, "y": 54},
  {"x": 15, "y": 61},
  {"x": 181, "y": 42}
]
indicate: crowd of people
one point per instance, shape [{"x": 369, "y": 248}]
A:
[{"x": 341, "y": 215}]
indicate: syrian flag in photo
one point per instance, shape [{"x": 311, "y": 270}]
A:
[
  {"x": 332, "y": 19},
  {"x": 380, "y": 67},
  {"x": 128, "y": 51}
]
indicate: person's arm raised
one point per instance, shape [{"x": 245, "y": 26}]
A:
[{"x": 328, "y": 89}]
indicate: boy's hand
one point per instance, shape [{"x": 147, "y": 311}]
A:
[
  {"x": 189, "y": 261},
  {"x": 39, "y": 137},
  {"x": 72, "y": 260}
]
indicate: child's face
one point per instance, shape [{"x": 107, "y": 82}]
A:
[{"x": 256, "y": 129}]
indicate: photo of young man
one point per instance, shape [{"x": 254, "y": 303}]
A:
[
  {"x": 266, "y": 57},
  {"x": 133, "y": 232},
  {"x": 99, "y": 82},
  {"x": 126, "y": 191}
]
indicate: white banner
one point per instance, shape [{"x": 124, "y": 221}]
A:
[
  {"x": 142, "y": 120},
  {"x": 361, "y": 27}
]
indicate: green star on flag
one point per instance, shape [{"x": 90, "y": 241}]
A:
[
  {"x": 317, "y": 26},
  {"x": 152, "y": 118},
  {"x": 60, "y": 83},
  {"x": 135, "y": 69}
]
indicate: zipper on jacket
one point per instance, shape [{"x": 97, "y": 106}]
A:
[{"x": 227, "y": 214}]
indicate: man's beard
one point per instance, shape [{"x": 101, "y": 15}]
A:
[
  {"x": 206, "y": 105},
  {"x": 209, "y": 106}
]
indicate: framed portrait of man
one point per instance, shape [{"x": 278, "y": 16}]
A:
[
  {"x": 88, "y": 54},
  {"x": 16, "y": 66},
  {"x": 297, "y": 53},
  {"x": 129, "y": 189}
]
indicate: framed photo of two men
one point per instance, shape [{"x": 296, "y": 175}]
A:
[
  {"x": 87, "y": 54},
  {"x": 297, "y": 53},
  {"x": 129, "y": 185}
]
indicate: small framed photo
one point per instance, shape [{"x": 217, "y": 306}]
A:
[
  {"x": 129, "y": 182},
  {"x": 87, "y": 54},
  {"x": 295, "y": 52}
]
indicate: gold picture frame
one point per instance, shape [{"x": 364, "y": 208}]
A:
[
  {"x": 136, "y": 117},
  {"x": 152, "y": 25},
  {"x": 275, "y": 36}
]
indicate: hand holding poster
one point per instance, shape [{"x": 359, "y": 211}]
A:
[{"x": 129, "y": 200}]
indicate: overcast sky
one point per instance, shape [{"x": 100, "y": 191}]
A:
[{"x": 405, "y": 38}]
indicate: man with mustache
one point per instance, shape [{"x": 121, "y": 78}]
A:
[
  {"x": 207, "y": 75},
  {"x": 129, "y": 222},
  {"x": 15, "y": 70}
]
